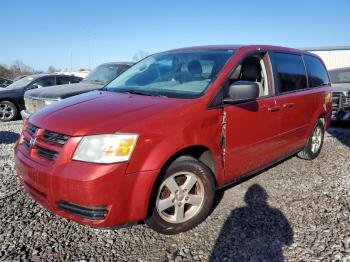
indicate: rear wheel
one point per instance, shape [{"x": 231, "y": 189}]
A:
[
  {"x": 184, "y": 197},
  {"x": 315, "y": 142},
  {"x": 8, "y": 111}
]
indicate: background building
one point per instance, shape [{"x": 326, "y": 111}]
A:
[{"x": 333, "y": 56}]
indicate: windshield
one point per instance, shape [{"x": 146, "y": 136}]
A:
[
  {"x": 22, "y": 82},
  {"x": 102, "y": 74},
  {"x": 174, "y": 74},
  {"x": 340, "y": 76}
]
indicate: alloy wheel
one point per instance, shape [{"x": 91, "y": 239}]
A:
[
  {"x": 180, "y": 197},
  {"x": 316, "y": 139},
  {"x": 6, "y": 111}
]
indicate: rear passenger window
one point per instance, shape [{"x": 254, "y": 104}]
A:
[
  {"x": 75, "y": 80},
  {"x": 67, "y": 80},
  {"x": 289, "y": 72},
  {"x": 316, "y": 72},
  {"x": 63, "y": 80}
]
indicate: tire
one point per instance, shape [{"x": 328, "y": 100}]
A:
[
  {"x": 8, "y": 111},
  {"x": 314, "y": 144},
  {"x": 183, "y": 198}
]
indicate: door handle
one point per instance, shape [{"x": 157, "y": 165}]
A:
[
  {"x": 274, "y": 108},
  {"x": 288, "y": 105}
]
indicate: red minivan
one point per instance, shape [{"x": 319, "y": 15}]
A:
[{"x": 158, "y": 141}]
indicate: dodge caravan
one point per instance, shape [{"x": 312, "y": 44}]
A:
[{"x": 158, "y": 141}]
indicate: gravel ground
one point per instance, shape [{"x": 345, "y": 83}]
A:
[{"x": 297, "y": 211}]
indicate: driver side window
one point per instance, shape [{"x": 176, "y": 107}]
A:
[
  {"x": 48, "y": 81},
  {"x": 252, "y": 69}
]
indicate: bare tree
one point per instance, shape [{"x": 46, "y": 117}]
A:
[
  {"x": 16, "y": 69},
  {"x": 4, "y": 72},
  {"x": 19, "y": 66},
  {"x": 51, "y": 69},
  {"x": 139, "y": 55}
]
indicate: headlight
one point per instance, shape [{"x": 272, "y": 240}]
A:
[
  {"x": 49, "y": 102},
  {"x": 106, "y": 149}
]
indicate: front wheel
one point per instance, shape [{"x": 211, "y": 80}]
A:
[
  {"x": 8, "y": 111},
  {"x": 314, "y": 145},
  {"x": 184, "y": 197}
]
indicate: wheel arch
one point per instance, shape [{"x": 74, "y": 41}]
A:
[
  {"x": 323, "y": 117},
  {"x": 13, "y": 101},
  {"x": 199, "y": 152},
  {"x": 319, "y": 114}
]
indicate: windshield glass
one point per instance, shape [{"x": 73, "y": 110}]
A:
[
  {"x": 176, "y": 74},
  {"x": 340, "y": 75},
  {"x": 21, "y": 83},
  {"x": 102, "y": 74}
]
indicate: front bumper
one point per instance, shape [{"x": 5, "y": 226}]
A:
[
  {"x": 92, "y": 194},
  {"x": 25, "y": 115}
]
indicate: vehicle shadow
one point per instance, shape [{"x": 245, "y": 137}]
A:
[
  {"x": 255, "y": 232},
  {"x": 341, "y": 131},
  {"x": 8, "y": 137}
]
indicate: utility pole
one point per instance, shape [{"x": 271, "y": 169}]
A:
[
  {"x": 71, "y": 61},
  {"x": 89, "y": 48}
]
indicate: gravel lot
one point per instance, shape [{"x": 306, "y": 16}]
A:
[{"x": 297, "y": 211}]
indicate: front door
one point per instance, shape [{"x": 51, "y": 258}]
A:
[{"x": 252, "y": 129}]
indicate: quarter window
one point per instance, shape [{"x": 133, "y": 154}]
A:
[
  {"x": 316, "y": 72},
  {"x": 290, "y": 72}
]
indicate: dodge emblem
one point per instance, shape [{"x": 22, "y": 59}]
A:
[{"x": 32, "y": 141}]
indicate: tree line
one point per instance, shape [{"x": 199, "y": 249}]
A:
[{"x": 18, "y": 68}]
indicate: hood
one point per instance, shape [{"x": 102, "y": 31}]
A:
[
  {"x": 63, "y": 91},
  {"x": 103, "y": 112},
  {"x": 4, "y": 90},
  {"x": 8, "y": 89},
  {"x": 11, "y": 91},
  {"x": 341, "y": 87}
]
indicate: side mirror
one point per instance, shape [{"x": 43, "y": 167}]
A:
[
  {"x": 30, "y": 87},
  {"x": 242, "y": 91}
]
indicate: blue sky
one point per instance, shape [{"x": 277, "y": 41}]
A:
[{"x": 43, "y": 33}]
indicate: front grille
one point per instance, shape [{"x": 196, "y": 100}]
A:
[
  {"x": 26, "y": 143},
  {"x": 88, "y": 212},
  {"x": 340, "y": 100},
  {"x": 47, "y": 144},
  {"x": 55, "y": 137},
  {"x": 52, "y": 155},
  {"x": 31, "y": 129}
]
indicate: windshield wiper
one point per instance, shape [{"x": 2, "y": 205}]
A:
[
  {"x": 137, "y": 92},
  {"x": 143, "y": 93}
]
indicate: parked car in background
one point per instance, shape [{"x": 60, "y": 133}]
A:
[
  {"x": 11, "y": 97},
  {"x": 100, "y": 76},
  {"x": 158, "y": 141},
  {"x": 5, "y": 82},
  {"x": 340, "y": 79}
]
